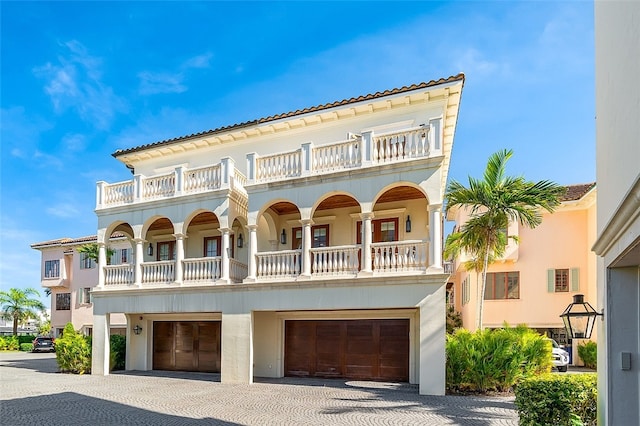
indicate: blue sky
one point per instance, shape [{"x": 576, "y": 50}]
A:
[{"x": 82, "y": 79}]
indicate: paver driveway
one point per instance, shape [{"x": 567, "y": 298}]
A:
[{"x": 33, "y": 393}]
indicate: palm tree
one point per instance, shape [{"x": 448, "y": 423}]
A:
[
  {"x": 92, "y": 251},
  {"x": 18, "y": 305},
  {"x": 493, "y": 202}
]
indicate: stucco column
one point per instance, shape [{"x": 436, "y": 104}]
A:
[
  {"x": 365, "y": 267},
  {"x": 306, "y": 248},
  {"x": 224, "y": 274},
  {"x": 102, "y": 262},
  {"x": 137, "y": 270},
  {"x": 179, "y": 258},
  {"x": 100, "y": 345},
  {"x": 432, "y": 343},
  {"x": 253, "y": 250},
  {"x": 237, "y": 348},
  {"x": 435, "y": 236}
]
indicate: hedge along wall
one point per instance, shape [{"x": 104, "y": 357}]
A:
[{"x": 558, "y": 400}]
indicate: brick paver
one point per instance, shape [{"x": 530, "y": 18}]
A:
[{"x": 33, "y": 392}]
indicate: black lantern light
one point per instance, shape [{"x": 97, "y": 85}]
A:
[
  {"x": 407, "y": 225},
  {"x": 240, "y": 242},
  {"x": 579, "y": 318},
  {"x": 283, "y": 237},
  {"x": 150, "y": 249},
  {"x": 137, "y": 329}
]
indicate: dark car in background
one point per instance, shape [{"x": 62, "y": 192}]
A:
[{"x": 44, "y": 344}]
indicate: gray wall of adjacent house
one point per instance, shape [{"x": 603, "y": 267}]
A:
[{"x": 617, "y": 43}]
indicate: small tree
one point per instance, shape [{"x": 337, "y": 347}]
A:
[
  {"x": 493, "y": 202},
  {"x": 18, "y": 305}
]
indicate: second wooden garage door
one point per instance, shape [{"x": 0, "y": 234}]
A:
[
  {"x": 357, "y": 349},
  {"x": 186, "y": 346}
]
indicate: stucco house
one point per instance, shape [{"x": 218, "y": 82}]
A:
[
  {"x": 536, "y": 278},
  {"x": 71, "y": 276},
  {"x": 306, "y": 243}
]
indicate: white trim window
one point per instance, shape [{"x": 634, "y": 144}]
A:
[
  {"x": 86, "y": 262},
  {"x": 563, "y": 280},
  {"x": 52, "y": 268},
  {"x": 84, "y": 296}
]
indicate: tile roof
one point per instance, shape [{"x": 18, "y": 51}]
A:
[
  {"x": 370, "y": 96},
  {"x": 576, "y": 192},
  {"x": 71, "y": 241}
]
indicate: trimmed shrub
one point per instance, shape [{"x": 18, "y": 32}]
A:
[
  {"x": 118, "y": 351},
  {"x": 26, "y": 347},
  {"x": 558, "y": 399},
  {"x": 27, "y": 338},
  {"x": 73, "y": 351},
  {"x": 494, "y": 360},
  {"x": 588, "y": 353},
  {"x": 9, "y": 343}
]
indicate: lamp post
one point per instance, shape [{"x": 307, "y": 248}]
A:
[{"x": 579, "y": 318}]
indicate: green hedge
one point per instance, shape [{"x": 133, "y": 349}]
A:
[
  {"x": 558, "y": 400},
  {"x": 26, "y": 347},
  {"x": 494, "y": 360},
  {"x": 118, "y": 351},
  {"x": 9, "y": 343},
  {"x": 588, "y": 353}
]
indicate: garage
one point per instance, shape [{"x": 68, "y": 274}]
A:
[
  {"x": 186, "y": 346},
  {"x": 353, "y": 349}
]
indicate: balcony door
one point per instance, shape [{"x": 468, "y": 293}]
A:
[
  {"x": 319, "y": 237},
  {"x": 382, "y": 230}
]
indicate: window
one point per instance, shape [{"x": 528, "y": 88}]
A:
[
  {"x": 86, "y": 262},
  {"x": 502, "y": 285},
  {"x": 563, "y": 280},
  {"x": 466, "y": 291},
  {"x": 382, "y": 230},
  {"x": 122, "y": 256},
  {"x": 51, "y": 268},
  {"x": 319, "y": 237},
  {"x": 63, "y": 301},
  {"x": 84, "y": 296},
  {"x": 212, "y": 246},
  {"x": 166, "y": 250}
]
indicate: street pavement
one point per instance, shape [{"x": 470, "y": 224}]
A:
[{"x": 33, "y": 392}]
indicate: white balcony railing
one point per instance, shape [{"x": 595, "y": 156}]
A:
[
  {"x": 339, "y": 260},
  {"x": 237, "y": 271},
  {"x": 118, "y": 275},
  {"x": 404, "y": 145},
  {"x": 399, "y": 256},
  {"x": 202, "y": 269},
  {"x": 162, "y": 272},
  {"x": 278, "y": 264},
  {"x": 364, "y": 150}
]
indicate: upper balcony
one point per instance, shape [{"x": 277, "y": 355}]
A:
[{"x": 358, "y": 152}]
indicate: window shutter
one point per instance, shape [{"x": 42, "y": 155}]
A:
[
  {"x": 80, "y": 300},
  {"x": 551, "y": 280},
  {"x": 575, "y": 279}
]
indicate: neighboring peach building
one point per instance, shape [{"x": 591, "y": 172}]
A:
[
  {"x": 535, "y": 280},
  {"x": 71, "y": 276}
]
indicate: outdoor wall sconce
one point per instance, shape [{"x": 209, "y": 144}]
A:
[
  {"x": 150, "y": 250},
  {"x": 579, "y": 318},
  {"x": 407, "y": 225},
  {"x": 137, "y": 329},
  {"x": 283, "y": 237},
  {"x": 240, "y": 241}
]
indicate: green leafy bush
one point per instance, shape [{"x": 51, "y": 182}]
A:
[
  {"x": 454, "y": 319},
  {"x": 73, "y": 351},
  {"x": 588, "y": 353},
  {"x": 494, "y": 360},
  {"x": 26, "y": 347},
  {"x": 558, "y": 400},
  {"x": 118, "y": 351},
  {"x": 9, "y": 343}
]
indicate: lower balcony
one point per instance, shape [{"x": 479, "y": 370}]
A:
[{"x": 388, "y": 258}]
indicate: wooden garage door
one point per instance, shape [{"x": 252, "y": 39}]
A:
[
  {"x": 355, "y": 349},
  {"x": 186, "y": 346}
]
